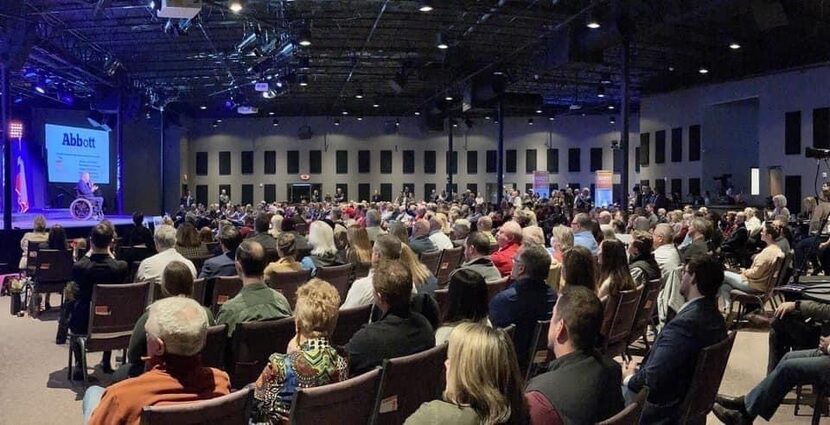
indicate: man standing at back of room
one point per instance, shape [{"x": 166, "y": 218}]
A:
[{"x": 255, "y": 301}]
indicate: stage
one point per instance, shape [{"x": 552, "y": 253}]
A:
[{"x": 23, "y": 221}]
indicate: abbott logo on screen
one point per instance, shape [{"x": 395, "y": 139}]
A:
[{"x": 77, "y": 140}]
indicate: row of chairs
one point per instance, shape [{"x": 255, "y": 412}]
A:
[
  {"x": 777, "y": 278},
  {"x": 442, "y": 263}
]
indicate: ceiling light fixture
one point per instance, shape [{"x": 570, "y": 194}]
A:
[
  {"x": 203, "y": 107},
  {"x": 734, "y": 45},
  {"x": 397, "y": 122},
  {"x": 276, "y": 122},
  {"x": 345, "y": 113},
  {"x": 539, "y": 111},
  {"x": 271, "y": 113},
  {"x": 551, "y": 118},
  {"x": 304, "y": 36},
  {"x": 359, "y": 94},
  {"x": 337, "y": 122},
  {"x": 606, "y": 79},
  {"x": 424, "y": 6},
  {"x": 441, "y": 42},
  {"x": 590, "y": 22},
  {"x": 376, "y": 104},
  {"x": 360, "y": 117},
  {"x": 487, "y": 118},
  {"x": 448, "y": 98},
  {"x": 303, "y": 80},
  {"x": 703, "y": 70},
  {"x": 612, "y": 120},
  {"x": 530, "y": 121},
  {"x": 417, "y": 114},
  {"x": 601, "y": 92},
  {"x": 610, "y": 107},
  {"x": 235, "y": 6}
]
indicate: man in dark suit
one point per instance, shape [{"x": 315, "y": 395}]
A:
[
  {"x": 140, "y": 235},
  {"x": 399, "y": 332},
  {"x": 576, "y": 386},
  {"x": 668, "y": 368},
  {"x": 420, "y": 242},
  {"x": 223, "y": 264},
  {"x": 528, "y": 300},
  {"x": 86, "y": 189},
  {"x": 736, "y": 243},
  {"x": 186, "y": 200},
  {"x": 376, "y": 196},
  {"x": 97, "y": 267}
]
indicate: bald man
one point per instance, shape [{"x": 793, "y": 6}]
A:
[
  {"x": 509, "y": 238},
  {"x": 420, "y": 241}
]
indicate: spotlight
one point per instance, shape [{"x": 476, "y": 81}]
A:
[
  {"x": 487, "y": 118},
  {"x": 703, "y": 70},
  {"x": 734, "y": 45},
  {"x": 612, "y": 120},
  {"x": 40, "y": 87},
  {"x": 448, "y": 98},
  {"x": 275, "y": 122},
  {"x": 360, "y": 117},
  {"x": 203, "y": 107},
  {"x": 610, "y": 107},
  {"x": 337, "y": 122},
  {"x": 530, "y": 121},
  {"x": 271, "y": 113},
  {"x": 440, "y": 42},
  {"x": 424, "y": 6},
  {"x": 152, "y": 4},
  {"x": 539, "y": 111},
  {"x": 417, "y": 114},
  {"x": 601, "y": 92},
  {"x": 303, "y": 80},
  {"x": 359, "y": 94},
  {"x": 397, "y": 122},
  {"x": 345, "y": 112},
  {"x": 304, "y": 36},
  {"x": 376, "y": 103},
  {"x": 235, "y": 6},
  {"x": 591, "y": 23}
]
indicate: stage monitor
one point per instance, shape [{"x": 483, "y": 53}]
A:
[{"x": 73, "y": 150}]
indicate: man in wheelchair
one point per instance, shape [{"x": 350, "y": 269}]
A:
[{"x": 86, "y": 189}]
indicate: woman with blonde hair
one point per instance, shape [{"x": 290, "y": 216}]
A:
[
  {"x": 276, "y": 226},
  {"x": 323, "y": 249},
  {"x": 561, "y": 240},
  {"x": 484, "y": 385},
  {"x": 441, "y": 218},
  {"x": 359, "y": 251},
  {"x": 310, "y": 359},
  {"x": 422, "y": 278},
  {"x": 287, "y": 250}
]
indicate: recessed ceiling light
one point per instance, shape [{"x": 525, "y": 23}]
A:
[
  {"x": 440, "y": 42},
  {"x": 530, "y": 121},
  {"x": 345, "y": 112},
  {"x": 235, "y": 6},
  {"x": 271, "y": 113},
  {"x": 703, "y": 71},
  {"x": 593, "y": 25},
  {"x": 218, "y": 120},
  {"x": 337, "y": 121},
  {"x": 538, "y": 111},
  {"x": 424, "y": 6},
  {"x": 671, "y": 68},
  {"x": 590, "y": 22},
  {"x": 448, "y": 98},
  {"x": 360, "y": 117},
  {"x": 487, "y": 118},
  {"x": 611, "y": 107},
  {"x": 734, "y": 46}
]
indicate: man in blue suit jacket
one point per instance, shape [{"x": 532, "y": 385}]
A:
[
  {"x": 223, "y": 265},
  {"x": 668, "y": 368}
]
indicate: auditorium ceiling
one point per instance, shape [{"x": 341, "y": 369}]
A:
[{"x": 382, "y": 57}]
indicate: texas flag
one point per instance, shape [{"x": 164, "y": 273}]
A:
[{"x": 20, "y": 187}]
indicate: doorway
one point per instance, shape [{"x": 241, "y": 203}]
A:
[{"x": 299, "y": 192}]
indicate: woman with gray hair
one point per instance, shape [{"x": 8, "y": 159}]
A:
[
  {"x": 779, "y": 203},
  {"x": 323, "y": 249}
]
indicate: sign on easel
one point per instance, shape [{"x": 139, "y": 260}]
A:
[
  {"x": 541, "y": 183},
  {"x": 604, "y": 188}
]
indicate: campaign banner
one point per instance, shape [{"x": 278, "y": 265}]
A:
[
  {"x": 541, "y": 183},
  {"x": 71, "y": 151},
  {"x": 604, "y": 188}
]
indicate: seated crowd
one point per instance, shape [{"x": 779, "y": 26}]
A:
[{"x": 569, "y": 275}]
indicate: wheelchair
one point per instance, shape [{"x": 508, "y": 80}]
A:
[{"x": 84, "y": 209}]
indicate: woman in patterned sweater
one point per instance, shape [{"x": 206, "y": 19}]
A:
[{"x": 310, "y": 360}]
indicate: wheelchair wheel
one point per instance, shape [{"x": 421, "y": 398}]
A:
[{"x": 81, "y": 209}]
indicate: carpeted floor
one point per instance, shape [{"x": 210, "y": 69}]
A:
[{"x": 36, "y": 391}]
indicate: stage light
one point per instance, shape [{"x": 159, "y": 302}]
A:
[
  {"x": 152, "y": 4},
  {"x": 16, "y": 130},
  {"x": 376, "y": 104},
  {"x": 40, "y": 87},
  {"x": 360, "y": 117},
  {"x": 269, "y": 94},
  {"x": 203, "y": 107},
  {"x": 424, "y": 6},
  {"x": 590, "y": 22},
  {"x": 538, "y": 111},
  {"x": 304, "y": 36},
  {"x": 530, "y": 121},
  {"x": 235, "y": 6},
  {"x": 271, "y": 113},
  {"x": 612, "y": 120},
  {"x": 345, "y": 113},
  {"x": 303, "y": 80},
  {"x": 417, "y": 114},
  {"x": 703, "y": 70},
  {"x": 610, "y": 107},
  {"x": 18, "y": 100},
  {"x": 276, "y": 122},
  {"x": 337, "y": 122},
  {"x": 440, "y": 42},
  {"x": 359, "y": 94},
  {"x": 601, "y": 92},
  {"x": 66, "y": 97},
  {"x": 734, "y": 45},
  {"x": 448, "y": 98}
]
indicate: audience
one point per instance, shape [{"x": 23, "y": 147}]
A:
[
  {"x": 223, "y": 264},
  {"x": 287, "y": 262},
  {"x": 309, "y": 361},
  {"x": 323, "y": 249},
  {"x": 527, "y": 300},
  {"x": 420, "y": 241},
  {"x": 581, "y": 226},
  {"x": 561, "y": 240},
  {"x": 485, "y": 226},
  {"x": 97, "y": 267},
  {"x": 176, "y": 330},
  {"x": 579, "y": 385},
  {"x": 466, "y": 302},
  {"x": 668, "y": 368},
  {"x": 151, "y": 268},
  {"x": 400, "y": 331},
  {"x": 276, "y": 226},
  {"x": 614, "y": 273},
  {"x": 362, "y": 292},
  {"x": 255, "y": 301},
  {"x": 484, "y": 385},
  {"x": 477, "y": 257},
  {"x": 460, "y": 231},
  {"x": 373, "y": 229},
  {"x": 509, "y": 239}
]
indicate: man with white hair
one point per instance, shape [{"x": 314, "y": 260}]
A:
[
  {"x": 437, "y": 235},
  {"x": 460, "y": 231},
  {"x": 420, "y": 241},
  {"x": 176, "y": 331},
  {"x": 373, "y": 225},
  {"x": 509, "y": 238},
  {"x": 665, "y": 253},
  {"x": 151, "y": 268}
]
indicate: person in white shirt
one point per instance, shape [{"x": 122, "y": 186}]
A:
[
  {"x": 666, "y": 255},
  {"x": 753, "y": 224},
  {"x": 437, "y": 235},
  {"x": 387, "y": 247},
  {"x": 151, "y": 268}
]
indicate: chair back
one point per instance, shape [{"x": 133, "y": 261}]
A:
[
  {"x": 620, "y": 312},
  {"x": 216, "y": 342},
  {"x": 53, "y": 266},
  {"x": 338, "y": 276},
  {"x": 450, "y": 259},
  {"x": 407, "y": 382},
  {"x": 253, "y": 343},
  {"x": 32, "y": 251},
  {"x": 510, "y": 330},
  {"x": 199, "y": 287},
  {"x": 349, "y": 321},
  {"x": 631, "y": 414},
  {"x": 213, "y": 248},
  {"x": 199, "y": 261},
  {"x": 224, "y": 288},
  {"x": 350, "y": 402},
  {"x": 287, "y": 283},
  {"x": 496, "y": 286},
  {"x": 231, "y": 409},
  {"x": 539, "y": 353},
  {"x": 113, "y": 312},
  {"x": 432, "y": 260},
  {"x": 134, "y": 253},
  {"x": 442, "y": 297},
  {"x": 711, "y": 363},
  {"x": 645, "y": 311}
]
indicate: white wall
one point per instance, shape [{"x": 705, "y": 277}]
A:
[
  {"x": 258, "y": 134},
  {"x": 798, "y": 90}
]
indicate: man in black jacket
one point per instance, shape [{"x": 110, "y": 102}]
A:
[
  {"x": 399, "y": 332},
  {"x": 668, "y": 368},
  {"x": 579, "y": 383},
  {"x": 97, "y": 267},
  {"x": 140, "y": 235},
  {"x": 223, "y": 264}
]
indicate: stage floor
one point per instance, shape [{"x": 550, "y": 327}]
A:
[{"x": 62, "y": 217}]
